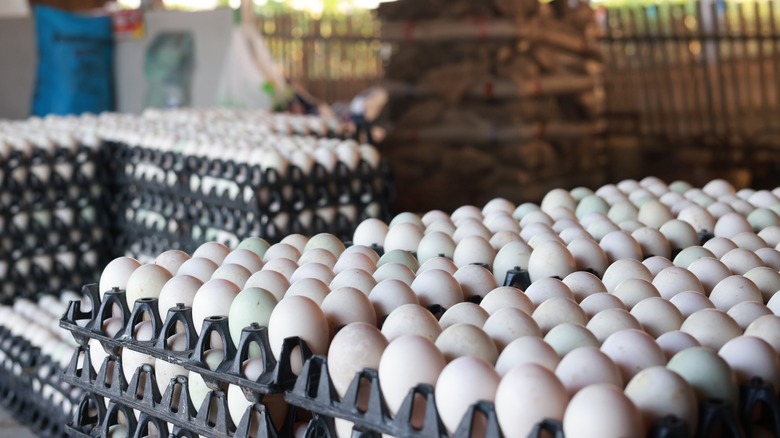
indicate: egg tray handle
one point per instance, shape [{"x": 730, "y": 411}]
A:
[{"x": 112, "y": 417}]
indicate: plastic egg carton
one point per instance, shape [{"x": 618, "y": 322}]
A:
[{"x": 32, "y": 388}]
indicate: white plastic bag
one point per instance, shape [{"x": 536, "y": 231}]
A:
[{"x": 249, "y": 76}]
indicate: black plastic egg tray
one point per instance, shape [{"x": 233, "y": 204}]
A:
[
  {"x": 24, "y": 373},
  {"x": 174, "y": 191},
  {"x": 28, "y": 247},
  {"x": 172, "y": 404}
]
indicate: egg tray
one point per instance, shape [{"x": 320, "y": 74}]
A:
[
  {"x": 42, "y": 272},
  {"x": 277, "y": 377},
  {"x": 24, "y": 373},
  {"x": 314, "y": 391},
  {"x": 173, "y": 405},
  {"x": 33, "y": 193},
  {"x": 271, "y": 192}
]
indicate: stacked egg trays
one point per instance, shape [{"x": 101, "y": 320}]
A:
[
  {"x": 640, "y": 309},
  {"x": 34, "y": 351},
  {"x": 200, "y": 175},
  {"x": 50, "y": 199}
]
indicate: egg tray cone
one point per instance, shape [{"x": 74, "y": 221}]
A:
[
  {"x": 24, "y": 373},
  {"x": 276, "y": 377}
]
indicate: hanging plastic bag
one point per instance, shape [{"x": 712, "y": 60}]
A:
[
  {"x": 75, "y": 63},
  {"x": 249, "y": 76}
]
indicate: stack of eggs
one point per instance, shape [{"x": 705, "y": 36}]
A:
[
  {"x": 38, "y": 324},
  {"x": 306, "y": 179},
  {"x": 50, "y": 200},
  {"x": 628, "y": 316}
]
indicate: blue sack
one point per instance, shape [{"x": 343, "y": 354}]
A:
[{"x": 75, "y": 63}]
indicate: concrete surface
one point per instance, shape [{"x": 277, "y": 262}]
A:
[{"x": 11, "y": 429}]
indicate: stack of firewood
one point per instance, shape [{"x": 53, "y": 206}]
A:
[{"x": 492, "y": 98}]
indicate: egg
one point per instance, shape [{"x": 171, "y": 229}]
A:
[
  {"x": 407, "y": 218},
  {"x": 583, "y": 284},
  {"x": 310, "y": 288},
  {"x": 318, "y": 255},
  {"x": 198, "y": 267},
  {"x": 622, "y": 270},
  {"x": 733, "y": 290},
  {"x": 523, "y": 209},
  {"x": 437, "y": 287},
  {"x": 688, "y": 302},
  {"x": 526, "y": 349},
  {"x": 271, "y": 281},
  {"x": 234, "y": 273},
  {"x": 707, "y": 373},
  {"x": 117, "y": 273},
  {"x": 214, "y": 251},
  {"x": 501, "y": 221},
  {"x": 473, "y": 249},
  {"x": 526, "y": 395},
  {"x": 558, "y": 310},
  {"x": 652, "y": 242},
  {"x": 302, "y": 317},
  {"x": 399, "y": 256},
  {"x": 397, "y": 374},
  {"x": 252, "y": 305},
  {"x": 740, "y": 261},
  {"x": 634, "y": 290},
  {"x": 356, "y": 278},
  {"x": 766, "y": 279},
  {"x": 355, "y": 347},
  {"x": 506, "y": 296},
  {"x": 719, "y": 246},
  {"x": 674, "y": 280},
  {"x": 346, "y": 305},
  {"x": 365, "y": 250},
  {"x": 767, "y": 328},
  {"x": 462, "y": 383},
  {"x": 411, "y": 319},
  {"x": 770, "y": 257},
  {"x": 462, "y": 339},
  {"x": 212, "y": 299},
  {"x": 172, "y": 260},
  {"x": 179, "y": 289},
  {"x": 730, "y": 224},
  {"x": 698, "y": 217},
  {"x": 700, "y": 325},
  {"x": 470, "y": 228},
  {"x": 475, "y": 281},
  {"x": 632, "y": 350},
  {"x": 585, "y": 413},
  {"x": 281, "y": 250},
  {"x": 746, "y": 312},
  {"x": 501, "y": 238},
  {"x": 354, "y": 260},
  {"x": 620, "y": 245},
  {"x": 313, "y": 270},
  {"x": 688, "y": 255},
  {"x": 658, "y": 392},
  {"x": 246, "y": 258},
  {"x": 709, "y": 272},
  {"x": 146, "y": 282},
  {"x": 404, "y": 236},
  {"x": 600, "y": 301},
  {"x": 388, "y": 295},
  {"x": 498, "y": 204},
  {"x": 584, "y": 366},
  {"x": 609, "y": 321},
  {"x": 622, "y": 211},
  {"x": 513, "y": 254},
  {"x": 441, "y": 226},
  {"x": 435, "y": 244},
  {"x": 395, "y": 271},
  {"x": 466, "y": 312},
  {"x": 749, "y": 357},
  {"x": 551, "y": 259},
  {"x": 657, "y": 316},
  {"x": 434, "y": 215},
  {"x": 325, "y": 241},
  {"x": 507, "y": 324}
]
